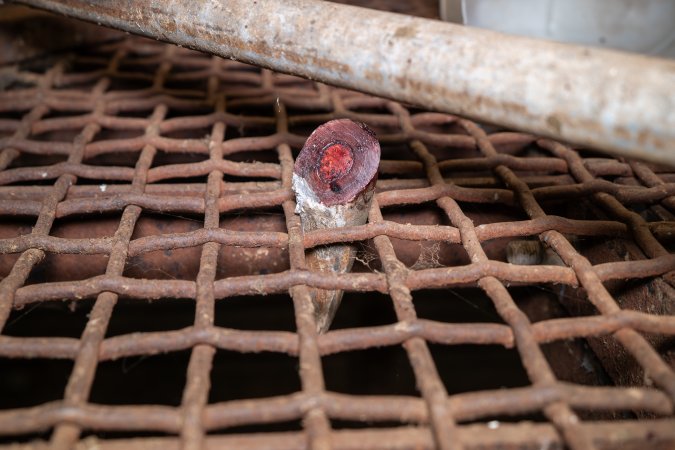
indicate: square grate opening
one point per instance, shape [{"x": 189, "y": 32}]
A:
[{"x": 153, "y": 292}]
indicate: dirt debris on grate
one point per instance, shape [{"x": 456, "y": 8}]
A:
[{"x": 154, "y": 289}]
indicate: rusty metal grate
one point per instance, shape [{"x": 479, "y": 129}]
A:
[{"x": 209, "y": 137}]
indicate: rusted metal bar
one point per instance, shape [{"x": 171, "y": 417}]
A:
[
  {"x": 617, "y": 102},
  {"x": 315, "y": 421},
  {"x": 336, "y": 341},
  {"x": 255, "y": 200},
  {"x": 469, "y": 406},
  {"x": 619, "y": 435},
  {"x": 633, "y": 343},
  {"x": 538, "y": 368}
]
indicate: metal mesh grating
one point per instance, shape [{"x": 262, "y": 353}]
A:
[{"x": 161, "y": 99}]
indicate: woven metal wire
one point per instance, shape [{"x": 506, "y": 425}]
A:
[{"x": 178, "y": 92}]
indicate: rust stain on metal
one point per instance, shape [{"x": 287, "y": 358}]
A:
[{"x": 405, "y": 32}]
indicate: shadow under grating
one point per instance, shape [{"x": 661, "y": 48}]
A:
[{"x": 132, "y": 308}]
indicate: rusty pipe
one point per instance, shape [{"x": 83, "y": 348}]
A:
[
  {"x": 617, "y": 102},
  {"x": 183, "y": 263}
]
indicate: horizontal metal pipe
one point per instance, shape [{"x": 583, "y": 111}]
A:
[{"x": 618, "y": 102}]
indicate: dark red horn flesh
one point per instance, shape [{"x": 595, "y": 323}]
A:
[{"x": 339, "y": 160}]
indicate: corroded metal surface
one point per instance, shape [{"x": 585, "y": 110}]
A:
[
  {"x": 604, "y": 99},
  {"x": 112, "y": 134}
]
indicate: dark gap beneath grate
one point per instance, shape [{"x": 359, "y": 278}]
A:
[
  {"x": 131, "y": 316},
  {"x": 134, "y": 111},
  {"x": 30, "y": 160},
  {"x": 245, "y": 179},
  {"x": 450, "y": 152},
  {"x": 494, "y": 422},
  {"x": 257, "y": 110},
  {"x": 374, "y": 371},
  {"x": 80, "y": 65},
  {"x": 107, "y": 134},
  {"x": 374, "y": 110},
  {"x": 533, "y": 150},
  {"x": 455, "y": 305},
  {"x": 18, "y": 85},
  {"x": 649, "y": 213},
  {"x": 83, "y": 84},
  {"x": 94, "y": 52},
  {"x": 201, "y": 133},
  {"x": 38, "y": 65},
  {"x": 31, "y": 382},
  {"x": 467, "y": 368},
  {"x": 397, "y": 152},
  {"x": 49, "y": 319},
  {"x": 237, "y": 376},
  {"x": 265, "y": 156},
  {"x": 291, "y": 425},
  {"x": 42, "y": 182},
  {"x": 269, "y": 312},
  {"x": 103, "y": 184},
  {"x": 11, "y": 114},
  {"x": 199, "y": 84},
  {"x": 93, "y": 435},
  {"x": 248, "y": 130},
  {"x": 25, "y": 438},
  {"x": 590, "y": 153},
  {"x": 359, "y": 309},
  {"x": 195, "y": 108},
  {"x": 126, "y": 159},
  {"x": 135, "y": 59},
  {"x": 400, "y": 152},
  {"x": 125, "y": 381},
  {"x": 303, "y": 129},
  {"x": 298, "y": 112},
  {"x": 122, "y": 83},
  {"x": 60, "y": 113},
  {"x": 181, "y": 179},
  {"x": 339, "y": 424}
]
